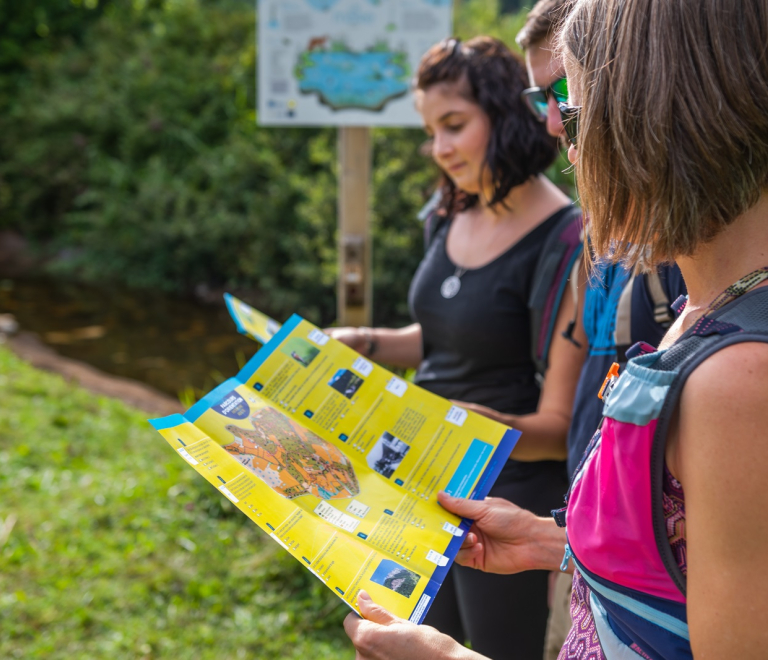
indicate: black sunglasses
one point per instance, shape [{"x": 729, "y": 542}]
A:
[
  {"x": 570, "y": 116},
  {"x": 536, "y": 98}
]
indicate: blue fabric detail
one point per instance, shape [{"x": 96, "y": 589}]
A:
[
  {"x": 600, "y": 303},
  {"x": 601, "y": 299},
  {"x": 613, "y": 647},
  {"x": 639, "y": 393},
  {"x": 644, "y": 611}
]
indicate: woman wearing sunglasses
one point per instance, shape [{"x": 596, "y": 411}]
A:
[
  {"x": 666, "y": 521},
  {"x": 470, "y": 300}
]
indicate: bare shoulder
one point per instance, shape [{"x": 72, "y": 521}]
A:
[
  {"x": 737, "y": 373},
  {"x": 724, "y": 409}
]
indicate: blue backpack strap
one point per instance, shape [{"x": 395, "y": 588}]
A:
[
  {"x": 734, "y": 324},
  {"x": 555, "y": 266}
]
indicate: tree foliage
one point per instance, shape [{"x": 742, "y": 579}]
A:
[{"x": 130, "y": 150}]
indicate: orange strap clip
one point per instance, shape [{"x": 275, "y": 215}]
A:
[{"x": 613, "y": 372}]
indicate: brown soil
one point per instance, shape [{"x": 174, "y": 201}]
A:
[{"x": 30, "y": 349}]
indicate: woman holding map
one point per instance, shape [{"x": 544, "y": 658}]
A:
[
  {"x": 471, "y": 340},
  {"x": 666, "y": 524}
]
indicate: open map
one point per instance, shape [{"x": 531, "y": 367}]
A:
[
  {"x": 344, "y": 62},
  {"x": 291, "y": 459},
  {"x": 340, "y": 461}
]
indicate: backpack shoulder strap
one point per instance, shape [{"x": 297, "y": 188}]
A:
[
  {"x": 431, "y": 219},
  {"x": 744, "y": 320},
  {"x": 555, "y": 267},
  {"x": 662, "y": 312}
]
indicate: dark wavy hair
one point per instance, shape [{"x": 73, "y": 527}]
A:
[{"x": 487, "y": 73}]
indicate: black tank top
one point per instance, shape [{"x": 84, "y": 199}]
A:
[{"x": 477, "y": 345}]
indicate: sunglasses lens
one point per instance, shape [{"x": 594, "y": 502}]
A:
[
  {"x": 560, "y": 90},
  {"x": 536, "y": 101}
]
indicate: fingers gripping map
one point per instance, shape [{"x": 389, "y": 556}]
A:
[
  {"x": 340, "y": 462},
  {"x": 344, "y": 62}
]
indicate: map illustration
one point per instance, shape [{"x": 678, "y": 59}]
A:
[
  {"x": 344, "y": 62},
  {"x": 292, "y": 460},
  {"x": 344, "y": 79}
]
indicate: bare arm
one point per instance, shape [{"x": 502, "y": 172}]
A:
[
  {"x": 719, "y": 452},
  {"x": 398, "y": 347},
  {"x": 545, "y": 431}
]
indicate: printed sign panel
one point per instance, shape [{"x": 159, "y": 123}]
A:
[{"x": 344, "y": 62}]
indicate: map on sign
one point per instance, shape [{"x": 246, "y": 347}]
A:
[{"x": 344, "y": 62}]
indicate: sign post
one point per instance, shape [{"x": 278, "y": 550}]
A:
[
  {"x": 346, "y": 63},
  {"x": 355, "y": 285}
]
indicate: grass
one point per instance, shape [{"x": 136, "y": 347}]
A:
[{"x": 112, "y": 547}]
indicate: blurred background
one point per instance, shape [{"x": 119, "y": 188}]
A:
[{"x": 135, "y": 188}]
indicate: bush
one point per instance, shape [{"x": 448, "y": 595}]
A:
[{"x": 133, "y": 154}]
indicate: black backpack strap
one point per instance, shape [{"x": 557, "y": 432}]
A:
[
  {"x": 554, "y": 268},
  {"x": 431, "y": 219}
]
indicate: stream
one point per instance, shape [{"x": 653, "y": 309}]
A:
[{"x": 178, "y": 346}]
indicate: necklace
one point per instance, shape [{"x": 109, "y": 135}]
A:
[
  {"x": 452, "y": 284},
  {"x": 739, "y": 288}
]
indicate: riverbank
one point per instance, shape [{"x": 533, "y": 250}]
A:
[
  {"x": 111, "y": 547},
  {"x": 28, "y": 347}
]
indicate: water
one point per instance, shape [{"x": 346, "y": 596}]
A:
[
  {"x": 354, "y": 80},
  {"x": 175, "y": 345}
]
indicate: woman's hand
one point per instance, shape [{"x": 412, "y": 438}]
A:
[
  {"x": 383, "y": 636},
  {"x": 352, "y": 337},
  {"x": 505, "y": 538},
  {"x": 490, "y": 413},
  {"x": 396, "y": 347}
]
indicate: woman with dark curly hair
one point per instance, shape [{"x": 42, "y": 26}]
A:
[
  {"x": 666, "y": 525},
  {"x": 470, "y": 301}
]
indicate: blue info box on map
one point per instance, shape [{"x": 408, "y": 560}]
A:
[{"x": 469, "y": 469}]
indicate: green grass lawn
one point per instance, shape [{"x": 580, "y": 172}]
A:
[{"x": 112, "y": 547}]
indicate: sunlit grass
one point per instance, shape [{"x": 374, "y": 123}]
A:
[{"x": 111, "y": 547}]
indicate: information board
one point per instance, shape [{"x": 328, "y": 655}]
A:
[{"x": 344, "y": 62}]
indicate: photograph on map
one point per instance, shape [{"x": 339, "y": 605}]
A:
[
  {"x": 387, "y": 454},
  {"x": 398, "y": 578},
  {"x": 346, "y": 382},
  {"x": 300, "y": 350}
]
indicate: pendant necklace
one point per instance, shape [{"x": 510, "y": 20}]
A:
[{"x": 452, "y": 284}]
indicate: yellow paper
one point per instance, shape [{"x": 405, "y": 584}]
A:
[
  {"x": 249, "y": 321},
  {"x": 340, "y": 462}
]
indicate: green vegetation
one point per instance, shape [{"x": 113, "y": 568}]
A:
[
  {"x": 129, "y": 151},
  {"x": 112, "y": 547}
]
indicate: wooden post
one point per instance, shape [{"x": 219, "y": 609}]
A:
[{"x": 355, "y": 286}]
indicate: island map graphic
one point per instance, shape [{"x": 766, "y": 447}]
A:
[{"x": 344, "y": 79}]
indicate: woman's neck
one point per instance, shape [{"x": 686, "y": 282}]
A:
[
  {"x": 739, "y": 249},
  {"x": 537, "y": 196}
]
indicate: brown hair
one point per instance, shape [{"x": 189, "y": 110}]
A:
[
  {"x": 673, "y": 132},
  {"x": 543, "y": 21},
  {"x": 487, "y": 73}
]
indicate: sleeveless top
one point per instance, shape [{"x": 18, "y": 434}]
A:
[
  {"x": 477, "y": 344},
  {"x": 625, "y": 533}
]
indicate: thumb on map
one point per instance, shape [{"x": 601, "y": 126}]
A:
[
  {"x": 464, "y": 508},
  {"x": 374, "y": 612}
]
